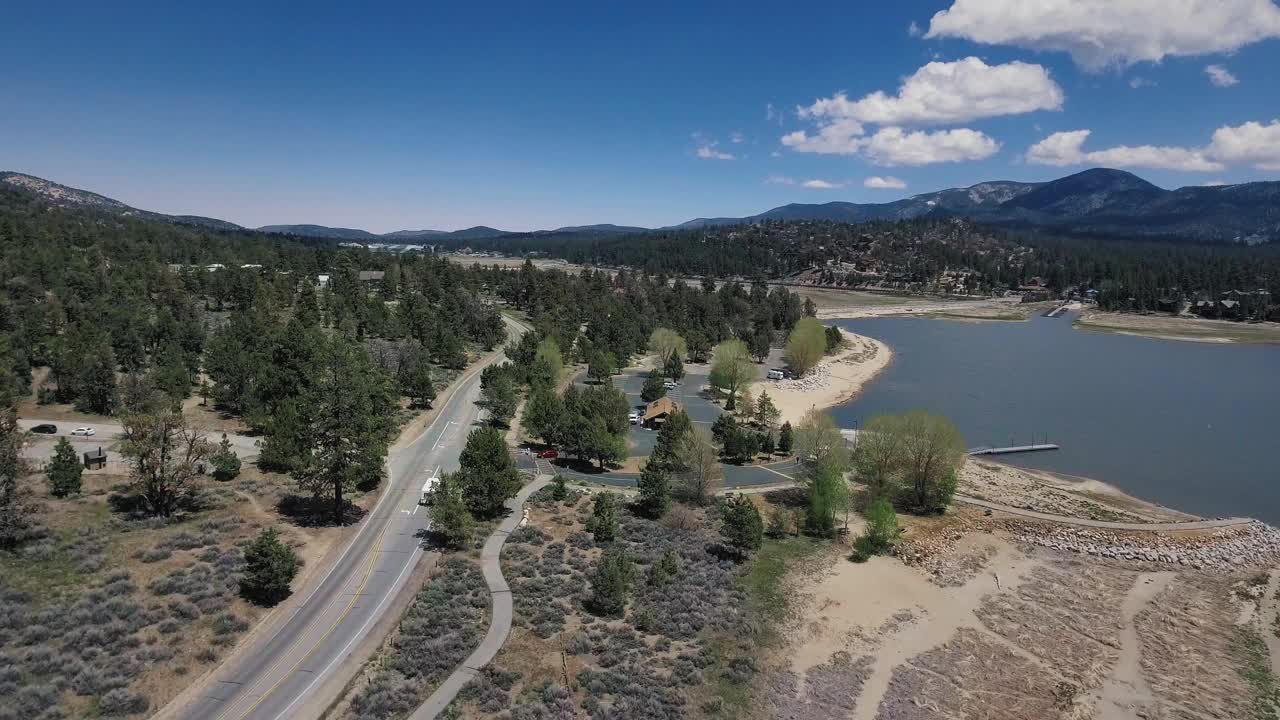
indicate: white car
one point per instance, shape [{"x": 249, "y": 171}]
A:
[
  {"x": 83, "y": 432},
  {"x": 671, "y": 384},
  {"x": 633, "y": 417}
]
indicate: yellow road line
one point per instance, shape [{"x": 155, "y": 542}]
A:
[{"x": 355, "y": 596}]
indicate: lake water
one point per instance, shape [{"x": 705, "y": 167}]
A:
[{"x": 1192, "y": 426}]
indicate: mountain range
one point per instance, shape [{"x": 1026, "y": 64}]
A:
[{"x": 1098, "y": 202}]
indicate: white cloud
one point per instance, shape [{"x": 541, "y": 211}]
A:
[
  {"x": 821, "y": 185},
  {"x": 1067, "y": 148},
  {"x": 1099, "y": 33},
  {"x": 737, "y": 137},
  {"x": 843, "y": 137},
  {"x": 773, "y": 114},
  {"x": 1215, "y": 183},
  {"x": 780, "y": 180},
  {"x": 914, "y": 29},
  {"x": 949, "y": 92},
  {"x": 1221, "y": 76},
  {"x": 1251, "y": 143},
  {"x": 1141, "y": 82},
  {"x": 707, "y": 148},
  {"x": 877, "y": 182},
  {"x": 894, "y": 146}
]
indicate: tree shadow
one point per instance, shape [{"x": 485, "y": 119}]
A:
[{"x": 308, "y": 511}]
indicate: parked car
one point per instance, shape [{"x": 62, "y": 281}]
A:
[
  {"x": 45, "y": 429},
  {"x": 671, "y": 384},
  {"x": 633, "y": 417},
  {"x": 83, "y": 432},
  {"x": 775, "y": 374},
  {"x": 549, "y": 454}
]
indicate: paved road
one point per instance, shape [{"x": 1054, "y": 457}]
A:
[
  {"x": 501, "y": 615},
  {"x": 735, "y": 476},
  {"x": 302, "y": 664}
]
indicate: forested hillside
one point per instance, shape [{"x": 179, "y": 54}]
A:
[{"x": 928, "y": 256}]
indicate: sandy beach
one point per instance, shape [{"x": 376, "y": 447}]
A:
[{"x": 835, "y": 380}]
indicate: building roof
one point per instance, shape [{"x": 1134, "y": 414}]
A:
[
  {"x": 661, "y": 407},
  {"x": 367, "y": 275}
]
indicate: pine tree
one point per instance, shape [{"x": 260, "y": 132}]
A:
[
  {"x": 488, "y": 476},
  {"x": 604, "y": 518},
  {"x": 449, "y": 515},
  {"x": 786, "y": 438},
  {"x": 64, "y": 470},
  {"x": 269, "y": 568},
  {"x": 655, "y": 489},
  {"x": 226, "y": 464},
  {"x": 653, "y": 387},
  {"x": 611, "y": 582},
  {"x": 741, "y": 525}
]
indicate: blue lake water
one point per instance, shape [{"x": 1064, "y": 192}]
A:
[{"x": 1193, "y": 426}]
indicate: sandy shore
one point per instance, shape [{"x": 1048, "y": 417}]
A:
[{"x": 835, "y": 380}]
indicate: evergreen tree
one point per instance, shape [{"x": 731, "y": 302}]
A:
[
  {"x": 674, "y": 367},
  {"x": 269, "y": 568},
  {"x": 543, "y": 414},
  {"x": 64, "y": 470},
  {"x": 416, "y": 381},
  {"x": 350, "y": 406},
  {"x": 604, "y": 518},
  {"x": 665, "y": 449},
  {"x": 15, "y": 512},
  {"x": 226, "y": 464},
  {"x": 741, "y": 525},
  {"x": 786, "y": 438},
  {"x": 499, "y": 398},
  {"x": 98, "y": 388},
  {"x": 488, "y": 476},
  {"x": 450, "y": 518},
  {"x": 665, "y": 569},
  {"x": 654, "y": 488},
  {"x": 559, "y": 489},
  {"x": 761, "y": 341},
  {"x": 611, "y": 582},
  {"x": 653, "y": 387}
]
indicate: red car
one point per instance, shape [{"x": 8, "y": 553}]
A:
[{"x": 549, "y": 454}]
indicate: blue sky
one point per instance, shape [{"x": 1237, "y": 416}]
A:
[{"x": 528, "y": 116}]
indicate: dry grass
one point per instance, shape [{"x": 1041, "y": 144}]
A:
[
  {"x": 108, "y": 612},
  {"x": 1180, "y": 328}
]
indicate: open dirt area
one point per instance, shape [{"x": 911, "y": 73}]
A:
[
  {"x": 993, "y": 627},
  {"x": 1189, "y": 328},
  {"x": 835, "y": 380},
  {"x": 1059, "y": 495}
]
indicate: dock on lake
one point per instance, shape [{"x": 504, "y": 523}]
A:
[{"x": 1013, "y": 449}]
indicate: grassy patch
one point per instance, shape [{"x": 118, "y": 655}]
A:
[
  {"x": 768, "y": 609},
  {"x": 45, "y": 578},
  {"x": 1256, "y": 669}
]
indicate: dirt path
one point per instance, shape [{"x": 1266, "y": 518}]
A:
[
  {"x": 1270, "y": 610},
  {"x": 1125, "y": 693},
  {"x": 873, "y": 591},
  {"x": 1106, "y": 524}
]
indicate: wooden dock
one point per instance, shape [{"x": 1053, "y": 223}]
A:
[{"x": 1013, "y": 449}]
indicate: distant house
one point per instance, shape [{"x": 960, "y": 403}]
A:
[
  {"x": 1229, "y": 308},
  {"x": 659, "y": 410},
  {"x": 322, "y": 281},
  {"x": 372, "y": 276}
]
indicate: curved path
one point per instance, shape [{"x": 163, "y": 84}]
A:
[
  {"x": 501, "y": 615},
  {"x": 304, "y": 655},
  {"x": 764, "y": 478}
]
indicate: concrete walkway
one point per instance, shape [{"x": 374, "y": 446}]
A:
[
  {"x": 1105, "y": 524},
  {"x": 500, "y": 621}
]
